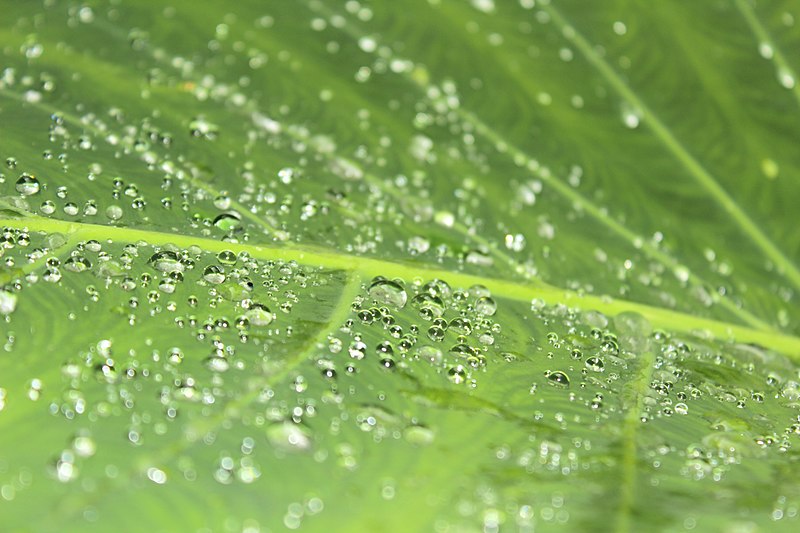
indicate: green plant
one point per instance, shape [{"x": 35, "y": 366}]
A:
[{"x": 399, "y": 266}]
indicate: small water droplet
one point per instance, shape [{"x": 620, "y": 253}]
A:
[
  {"x": 457, "y": 374},
  {"x": 289, "y": 437},
  {"x": 226, "y": 257},
  {"x": 8, "y": 302}
]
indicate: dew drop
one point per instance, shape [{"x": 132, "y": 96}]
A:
[
  {"x": 259, "y": 315},
  {"x": 388, "y": 292},
  {"x": 357, "y": 350},
  {"x": 27, "y": 185},
  {"x": 429, "y": 307},
  {"x": 166, "y": 261},
  {"x": 77, "y": 264},
  {"x": 595, "y": 364},
  {"x": 214, "y": 274},
  {"x": 486, "y": 306},
  {"x": 418, "y": 435},
  {"x": 289, "y": 437},
  {"x": 786, "y": 78},
  {"x": 230, "y": 221},
  {"x": 217, "y": 363},
  {"x": 557, "y": 378},
  {"x": 226, "y": 257},
  {"x": 457, "y": 374},
  {"x": 114, "y": 212},
  {"x": 8, "y": 302}
]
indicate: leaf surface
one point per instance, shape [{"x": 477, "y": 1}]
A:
[{"x": 399, "y": 266}]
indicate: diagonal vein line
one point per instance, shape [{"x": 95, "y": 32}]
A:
[
  {"x": 786, "y": 74},
  {"x": 565, "y": 190},
  {"x": 783, "y": 264},
  {"x": 630, "y": 427},
  {"x": 337, "y": 317},
  {"x": 367, "y": 266},
  {"x": 297, "y": 133}
]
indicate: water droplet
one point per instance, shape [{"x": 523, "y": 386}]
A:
[
  {"x": 437, "y": 289},
  {"x": 217, "y": 363},
  {"x": 429, "y": 307},
  {"x": 259, "y": 315},
  {"x": 289, "y": 437},
  {"x": 436, "y": 333},
  {"x": 226, "y": 257},
  {"x": 230, "y": 221},
  {"x": 27, "y": 185},
  {"x": 786, "y": 78},
  {"x": 457, "y": 374},
  {"x": 418, "y": 435},
  {"x": 48, "y": 207},
  {"x": 8, "y": 302},
  {"x": 460, "y": 325},
  {"x": 486, "y": 306},
  {"x": 84, "y": 446},
  {"x": 200, "y": 127},
  {"x": 214, "y": 274},
  {"x": 166, "y": 261},
  {"x": 388, "y": 292},
  {"x": 595, "y": 364},
  {"x": 357, "y": 350},
  {"x": 430, "y": 353},
  {"x": 557, "y": 378},
  {"x": 113, "y": 212},
  {"x": 77, "y": 264}
]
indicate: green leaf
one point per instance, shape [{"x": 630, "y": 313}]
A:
[{"x": 399, "y": 266}]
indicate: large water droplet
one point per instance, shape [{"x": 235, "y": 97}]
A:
[
  {"x": 557, "y": 378},
  {"x": 27, "y": 185},
  {"x": 230, "y": 221},
  {"x": 166, "y": 261},
  {"x": 214, "y": 274},
  {"x": 259, "y": 315},
  {"x": 388, "y": 292}
]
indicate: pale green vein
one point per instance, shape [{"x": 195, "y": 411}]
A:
[
  {"x": 787, "y": 77},
  {"x": 630, "y": 427},
  {"x": 189, "y": 177},
  {"x": 419, "y": 77},
  {"x": 782, "y": 263},
  {"x": 367, "y": 267},
  {"x": 61, "y": 249}
]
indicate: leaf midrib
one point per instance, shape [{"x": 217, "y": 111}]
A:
[{"x": 364, "y": 268}]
